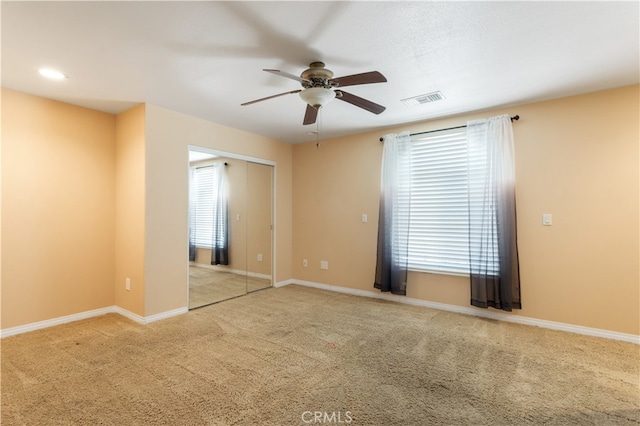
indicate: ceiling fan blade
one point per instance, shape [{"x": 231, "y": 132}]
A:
[
  {"x": 271, "y": 97},
  {"x": 287, "y": 75},
  {"x": 360, "y": 102},
  {"x": 310, "y": 115},
  {"x": 364, "y": 78}
]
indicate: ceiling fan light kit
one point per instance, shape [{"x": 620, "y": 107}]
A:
[
  {"x": 318, "y": 89},
  {"x": 317, "y": 96}
]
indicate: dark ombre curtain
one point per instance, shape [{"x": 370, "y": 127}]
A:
[
  {"x": 192, "y": 216},
  {"x": 493, "y": 249},
  {"x": 220, "y": 239},
  {"x": 393, "y": 222},
  {"x": 192, "y": 247}
]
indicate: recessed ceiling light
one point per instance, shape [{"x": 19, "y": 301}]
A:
[{"x": 52, "y": 74}]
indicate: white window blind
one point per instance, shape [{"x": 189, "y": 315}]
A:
[
  {"x": 205, "y": 184},
  {"x": 439, "y": 212}
]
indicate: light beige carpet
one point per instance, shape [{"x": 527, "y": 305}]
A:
[
  {"x": 208, "y": 286},
  {"x": 274, "y": 356}
]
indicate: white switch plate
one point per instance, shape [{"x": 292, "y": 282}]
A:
[
  {"x": 546, "y": 219},
  {"x": 127, "y": 284},
  {"x": 364, "y": 218},
  {"x": 324, "y": 264},
  {"x": 259, "y": 257},
  {"x": 305, "y": 263}
]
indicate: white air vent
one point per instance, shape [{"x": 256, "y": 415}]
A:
[{"x": 423, "y": 99}]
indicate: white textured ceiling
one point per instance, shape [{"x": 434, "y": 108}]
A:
[{"x": 206, "y": 58}]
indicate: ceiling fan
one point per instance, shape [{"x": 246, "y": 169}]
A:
[{"x": 318, "y": 89}]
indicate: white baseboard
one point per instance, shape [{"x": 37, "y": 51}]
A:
[
  {"x": 552, "y": 325},
  {"x": 6, "y": 332},
  {"x": 596, "y": 332},
  {"x": 150, "y": 318},
  {"x": 165, "y": 315},
  {"x": 283, "y": 283}
]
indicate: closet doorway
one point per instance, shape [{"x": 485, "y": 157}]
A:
[{"x": 230, "y": 226}]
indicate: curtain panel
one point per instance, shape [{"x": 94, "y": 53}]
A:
[
  {"x": 393, "y": 222},
  {"x": 220, "y": 239},
  {"x": 493, "y": 250},
  {"x": 192, "y": 207}
]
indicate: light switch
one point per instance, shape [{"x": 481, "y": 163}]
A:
[
  {"x": 364, "y": 218},
  {"x": 546, "y": 219}
]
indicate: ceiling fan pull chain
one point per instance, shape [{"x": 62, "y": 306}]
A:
[{"x": 318, "y": 127}]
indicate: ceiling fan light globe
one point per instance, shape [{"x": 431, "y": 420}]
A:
[{"x": 317, "y": 96}]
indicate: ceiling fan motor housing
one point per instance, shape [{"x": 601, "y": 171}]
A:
[{"x": 317, "y": 76}]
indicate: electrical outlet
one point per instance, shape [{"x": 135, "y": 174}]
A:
[
  {"x": 324, "y": 264},
  {"x": 127, "y": 284},
  {"x": 259, "y": 257}
]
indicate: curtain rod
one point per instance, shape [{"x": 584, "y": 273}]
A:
[
  {"x": 211, "y": 165},
  {"x": 514, "y": 118}
]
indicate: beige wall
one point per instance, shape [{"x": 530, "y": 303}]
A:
[
  {"x": 576, "y": 158},
  {"x": 58, "y": 198},
  {"x": 237, "y": 184},
  {"x": 259, "y": 218},
  {"x": 105, "y": 197},
  {"x": 130, "y": 208},
  {"x": 100, "y": 198},
  {"x": 168, "y": 136}
]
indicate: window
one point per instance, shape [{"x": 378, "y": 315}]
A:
[
  {"x": 439, "y": 209},
  {"x": 205, "y": 213}
]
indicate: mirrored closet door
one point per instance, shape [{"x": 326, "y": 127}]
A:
[{"x": 230, "y": 227}]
